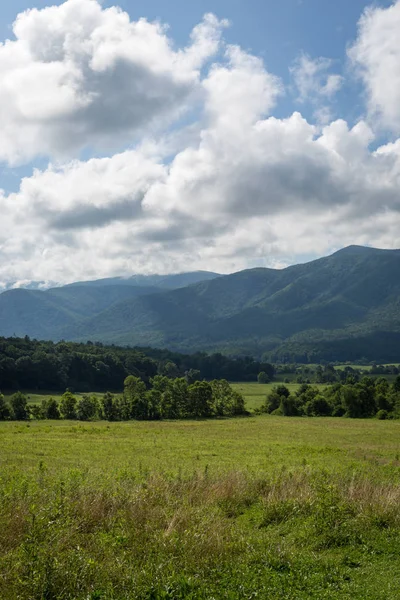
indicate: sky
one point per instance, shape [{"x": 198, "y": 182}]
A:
[{"x": 159, "y": 137}]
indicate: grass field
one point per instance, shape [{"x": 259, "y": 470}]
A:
[{"x": 264, "y": 507}]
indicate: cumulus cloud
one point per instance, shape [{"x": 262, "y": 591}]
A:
[
  {"x": 376, "y": 56},
  {"x": 238, "y": 188},
  {"x": 77, "y": 75},
  {"x": 312, "y": 79}
]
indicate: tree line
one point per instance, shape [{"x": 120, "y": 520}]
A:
[
  {"x": 164, "y": 398},
  {"x": 36, "y": 365},
  {"x": 367, "y": 397}
]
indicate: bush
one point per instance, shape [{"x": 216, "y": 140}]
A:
[{"x": 382, "y": 415}]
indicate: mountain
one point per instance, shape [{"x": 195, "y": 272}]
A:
[
  {"x": 163, "y": 282},
  {"x": 342, "y": 307},
  {"x": 52, "y": 313}
]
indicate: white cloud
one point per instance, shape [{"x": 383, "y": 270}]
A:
[
  {"x": 376, "y": 56},
  {"x": 250, "y": 190},
  {"x": 312, "y": 79},
  {"x": 81, "y": 76},
  {"x": 237, "y": 188}
]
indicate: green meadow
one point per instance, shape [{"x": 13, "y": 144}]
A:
[{"x": 257, "y": 507}]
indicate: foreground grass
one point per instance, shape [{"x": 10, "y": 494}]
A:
[{"x": 249, "y": 508}]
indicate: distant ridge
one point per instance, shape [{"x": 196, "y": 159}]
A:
[
  {"x": 170, "y": 282},
  {"x": 342, "y": 307}
]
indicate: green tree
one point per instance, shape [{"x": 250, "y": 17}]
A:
[
  {"x": 396, "y": 384},
  {"x": 226, "y": 401},
  {"x": 282, "y": 390},
  {"x": 170, "y": 370},
  {"x": 200, "y": 399},
  {"x": 19, "y": 407},
  {"x": 68, "y": 405},
  {"x": 351, "y": 402},
  {"x": 49, "y": 409},
  {"x": 153, "y": 405},
  {"x": 108, "y": 407},
  {"x": 180, "y": 403},
  {"x": 289, "y": 406},
  {"x": 87, "y": 408},
  {"x": 135, "y": 396},
  {"x": 318, "y": 407},
  {"x": 4, "y": 409},
  {"x": 262, "y": 377},
  {"x": 192, "y": 375}
]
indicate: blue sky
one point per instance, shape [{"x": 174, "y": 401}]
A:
[{"x": 126, "y": 148}]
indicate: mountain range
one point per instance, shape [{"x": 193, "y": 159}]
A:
[{"x": 342, "y": 307}]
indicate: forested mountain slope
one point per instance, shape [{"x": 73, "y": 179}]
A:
[
  {"x": 341, "y": 307},
  {"x": 351, "y": 298}
]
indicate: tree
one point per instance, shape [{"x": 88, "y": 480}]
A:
[
  {"x": 318, "y": 407},
  {"x": 262, "y": 377},
  {"x": 396, "y": 384},
  {"x": 49, "y": 409},
  {"x": 108, "y": 407},
  {"x": 170, "y": 370},
  {"x": 68, "y": 405},
  {"x": 226, "y": 401},
  {"x": 192, "y": 375},
  {"x": 19, "y": 407},
  {"x": 288, "y": 406},
  {"x": 179, "y": 391},
  {"x": 200, "y": 399},
  {"x": 351, "y": 401},
  {"x": 153, "y": 405},
  {"x": 135, "y": 396},
  {"x": 4, "y": 409},
  {"x": 87, "y": 408},
  {"x": 282, "y": 390}
]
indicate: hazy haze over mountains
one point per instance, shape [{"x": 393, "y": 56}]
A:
[{"x": 347, "y": 303}]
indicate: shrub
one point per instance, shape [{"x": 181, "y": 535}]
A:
[{"x": 382, "y": 415}]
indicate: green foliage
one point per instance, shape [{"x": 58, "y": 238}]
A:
[
  {"x": 364, "y": 398},
  {"x": 87, "y": 408},
  {"x": 29, "y": 364},
  {"x": 382, "y": 415},
  {"x": 262, "y": 377},
  {"x": 108, "y": 407},
  {"x": 68, "y": 405},
  {"x": 49, "y": 409},
  {"x": 4, "y": 409},
  {"x": 19, "y": 407}
]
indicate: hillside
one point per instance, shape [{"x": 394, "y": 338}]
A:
[
  {"x": 342, "y": 307},
  {"x": 50, "y": 314},
  {"x": 349, "y": 301}
]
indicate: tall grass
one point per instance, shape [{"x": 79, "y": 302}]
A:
[{"x": 289, "y": 534}]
